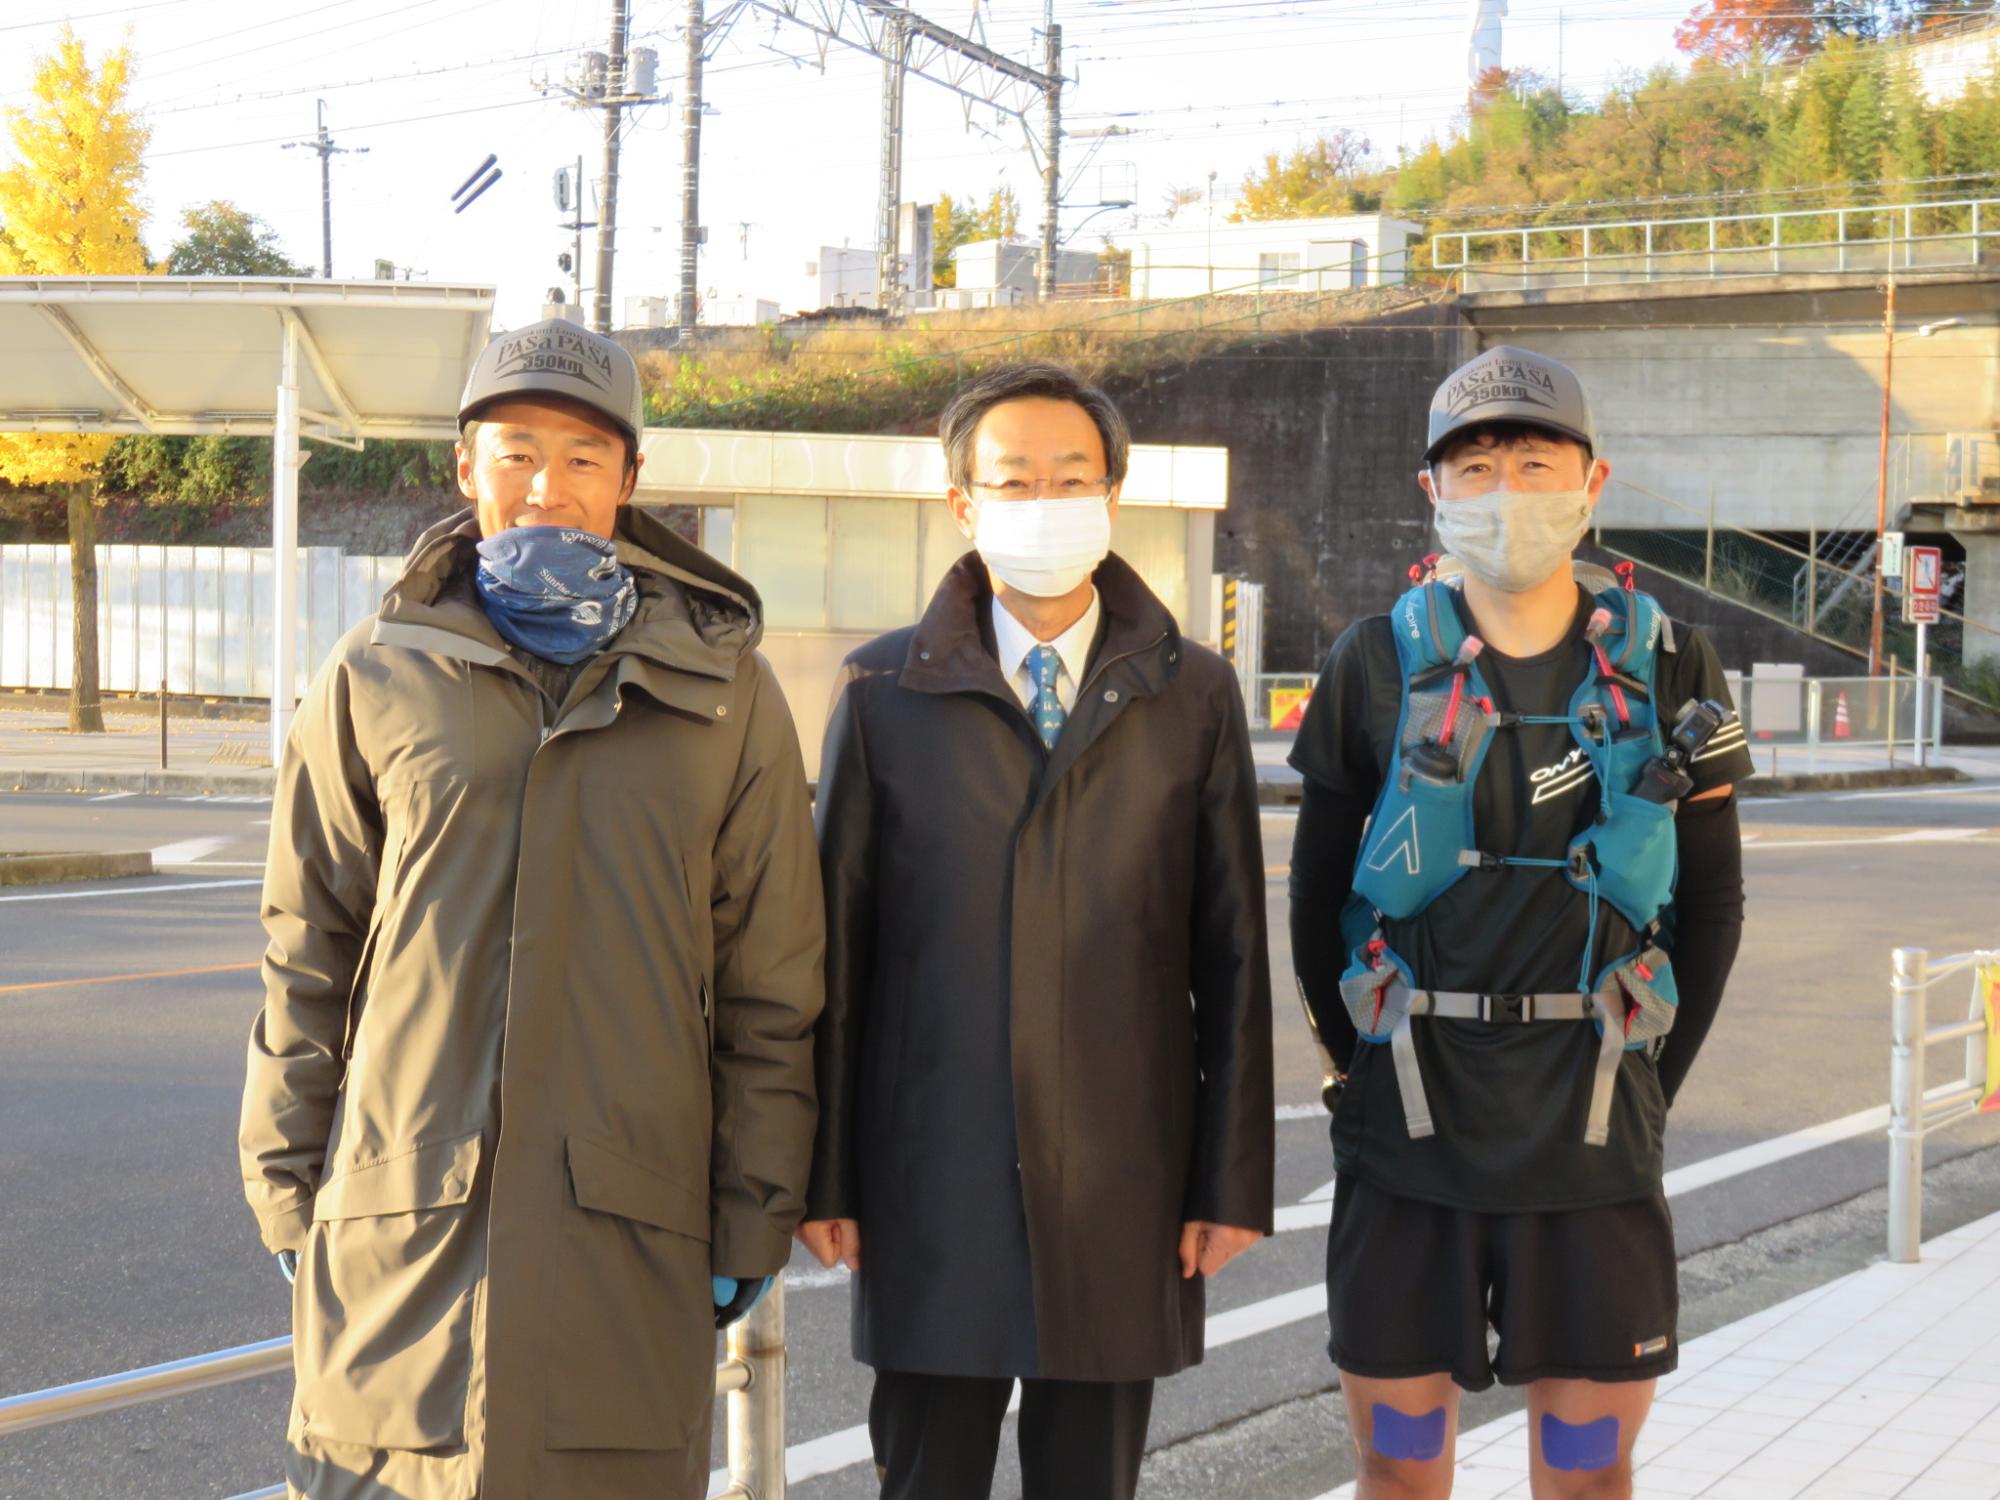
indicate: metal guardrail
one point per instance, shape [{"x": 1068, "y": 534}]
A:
[
  {"x": 1921, "y": 237},
  {"x": 1915, "y": 1111},
  {"x": 751, "y": 1378}
]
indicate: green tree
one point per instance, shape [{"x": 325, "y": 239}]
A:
[
  {"x": 954, "y": 223},
  {"x": 1324, "y": 177},
  {"x": 71, "y": 205},
  {"x": 220, "y": 239},
  {"x": 1864, "y": 126}
]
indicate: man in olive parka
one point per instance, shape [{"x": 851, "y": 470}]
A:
[{"x": 530, "y": 1102}]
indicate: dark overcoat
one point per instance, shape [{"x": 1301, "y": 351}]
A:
[{"x": 1047, "y": 1038}]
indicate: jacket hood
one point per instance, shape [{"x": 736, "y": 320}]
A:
[{"x": 681, "y": 588}]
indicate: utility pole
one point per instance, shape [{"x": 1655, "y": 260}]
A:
[
  {"x": 322, "y": 143},
  {"x": 607, "y": 207},
  {"x": 1051, "y": 153},
  {"x": 691, "y": 235},
  {"x": 888, "y": 230},
  {"x": 1882, "y": 455}
]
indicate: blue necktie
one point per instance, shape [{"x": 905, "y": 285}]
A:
[{"x": 1043, "y": 664}]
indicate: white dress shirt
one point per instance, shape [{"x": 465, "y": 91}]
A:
[{"x": 1012, "y": 641}]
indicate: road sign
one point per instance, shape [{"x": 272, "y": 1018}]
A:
[
  {"x": 1892, "y": 554},
  {"x": 1923, "y": 578}
]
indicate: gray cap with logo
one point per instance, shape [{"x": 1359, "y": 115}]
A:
[
  {"x": 1506, "y": 384},
  {"x": 557, "y": 358}
]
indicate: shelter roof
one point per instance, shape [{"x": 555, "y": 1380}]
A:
[{"x": 202, "y": 354}]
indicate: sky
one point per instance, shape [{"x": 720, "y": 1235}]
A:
[{"x": 790, "y": 153}]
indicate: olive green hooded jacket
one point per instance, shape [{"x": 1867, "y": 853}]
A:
[{"x": 535, "y": 1057}]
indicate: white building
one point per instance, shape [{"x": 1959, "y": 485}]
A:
[
  {"x": 852, "y": 278},
  {"x": 1272, "y": 255},
  {"x": 712, "y": 311},
  {"x": 1000, "y": 273}
]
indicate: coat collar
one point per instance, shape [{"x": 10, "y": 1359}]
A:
[
  {"x": 950, "y": 653},
  {"x": 694, "y": 615}
]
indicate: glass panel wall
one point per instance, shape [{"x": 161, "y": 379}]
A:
[
  {"x": 873, "y": 585},
  {"x": 782, "y": 548}
]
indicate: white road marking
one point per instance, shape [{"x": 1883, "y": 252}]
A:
[
  {"x": 113, "y": 796},
  {"x": 187, "y": 851},
  {"x": 1913, "y": 836},
  {"x": 130, "y": 890},
  {"x": 814, "y": 1277},
  {"x": 1301, "y": 1111},
  {"x": 1729, "y": 1164}
]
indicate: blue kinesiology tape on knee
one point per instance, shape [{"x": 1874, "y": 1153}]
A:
[
  {"x": 1587, "y": 1445},
  {"x": 1414, "y": 1439}
]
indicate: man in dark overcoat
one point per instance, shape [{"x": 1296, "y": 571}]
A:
[{"x": 1045, "y": 1060}]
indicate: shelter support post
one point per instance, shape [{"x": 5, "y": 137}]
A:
[{"x": 285, "y": 544}]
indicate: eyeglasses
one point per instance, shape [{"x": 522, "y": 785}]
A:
[{"x": 1044, "y": 489}]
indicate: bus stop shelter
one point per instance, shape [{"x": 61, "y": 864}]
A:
[{"x": 336, "y": 362}]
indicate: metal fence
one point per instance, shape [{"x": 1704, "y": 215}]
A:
[
  {"x": 750, "y": 1379},
  {"x": 1914, "y": 1110},
  {"x": 1827, "y": 715},
  {"x": 195, "y": 618},
  {"x": 1913, "y": 237}
]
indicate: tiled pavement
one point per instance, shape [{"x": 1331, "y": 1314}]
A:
[{"x": 1883, "y": 1383}]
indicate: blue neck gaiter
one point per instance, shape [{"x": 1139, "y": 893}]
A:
[{"x": 557, "y": 592}]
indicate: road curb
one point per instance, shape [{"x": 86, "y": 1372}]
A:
[
  {"x": 48, "y": 869},
  {"x": 159, "y": 783},
  {"x": 1844, "y": 781}
]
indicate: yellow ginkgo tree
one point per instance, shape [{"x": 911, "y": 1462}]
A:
[{"x": 69, "y": 206}]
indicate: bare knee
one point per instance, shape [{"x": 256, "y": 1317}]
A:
[
  {"x": 1405, "y": 1456},
  {"x": 1613, "y": 1483},
  {"x": 1583, "y": 1461},
  {"x": 1402, "y": 1479}
]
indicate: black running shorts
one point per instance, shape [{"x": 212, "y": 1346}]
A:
[{"x": 1586, "y": 1294}]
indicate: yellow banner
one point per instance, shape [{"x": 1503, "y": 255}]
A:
[
  {"x": 1989, "y": 983},
  {"x": 1288, "y": 708}
]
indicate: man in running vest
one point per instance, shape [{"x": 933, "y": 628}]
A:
[{"x": 1516, "y": 852}]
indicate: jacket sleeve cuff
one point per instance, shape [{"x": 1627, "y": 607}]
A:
[
  {"x": 286, "y": 1228},
  {"x": 744, "y": 1248}
]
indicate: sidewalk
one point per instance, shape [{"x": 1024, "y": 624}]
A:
[
  {"x": 1882, "y": 1383},
  {"x": 1982, "y": 762},
  {"x": 214, "y": 756}
]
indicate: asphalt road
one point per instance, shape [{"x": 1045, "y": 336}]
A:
[{"x": 124, "y": 1240}]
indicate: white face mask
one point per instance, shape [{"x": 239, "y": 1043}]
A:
[
  {"x": 1513, "y": 539},
  {"x": 1044, "y": 548}
]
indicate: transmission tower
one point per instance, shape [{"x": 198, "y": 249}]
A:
[{"x": 907, "y": 43}]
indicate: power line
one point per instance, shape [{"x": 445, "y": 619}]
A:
[
  {"x": 95, "y": 15},
  {"x": 445, "y": 114}
]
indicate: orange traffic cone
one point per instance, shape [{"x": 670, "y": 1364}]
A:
[{"x": 1841, "y": 728}]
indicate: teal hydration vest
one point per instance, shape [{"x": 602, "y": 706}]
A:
[{"x": 1422, "y": 840}]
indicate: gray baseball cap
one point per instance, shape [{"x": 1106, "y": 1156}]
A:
[
  {"x": 557, "y": 358},
  {"x": 1506, "y": 384}
]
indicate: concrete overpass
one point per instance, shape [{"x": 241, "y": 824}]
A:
[{"x": 1762, "y": 396}]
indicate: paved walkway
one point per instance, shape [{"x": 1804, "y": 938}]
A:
[
  {"x": 1882, "y": 1383},
  {"x": 1270, "y": 750},
  {"x": 36, "y": 752}
]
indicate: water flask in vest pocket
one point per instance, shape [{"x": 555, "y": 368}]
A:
[
  {"x": 1377, "y": 988},
  {"x": 1635, "y": 857},
  {"x": 1642, "y": 989}
]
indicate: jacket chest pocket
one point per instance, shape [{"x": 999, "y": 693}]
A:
[
  {"x": 636, "y": 1367},
  {"x": 383, "y": 1305}
]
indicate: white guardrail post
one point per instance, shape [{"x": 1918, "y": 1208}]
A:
[
  {"x": 756, "y": 1409},
  {"x": 1907, "y": 990},
  {"x": 751, "y": 1378}
]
